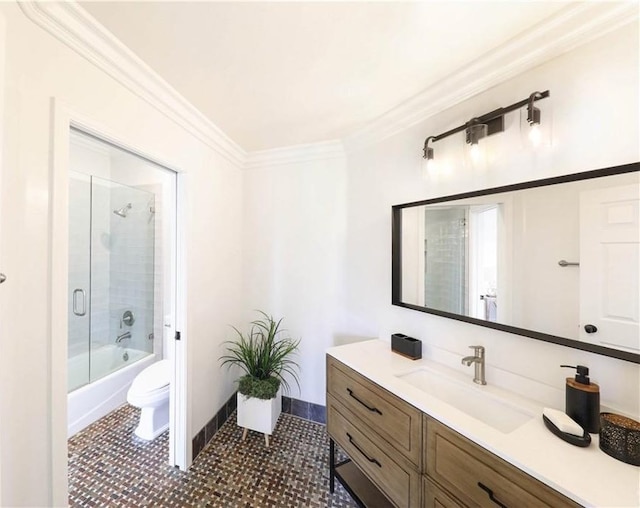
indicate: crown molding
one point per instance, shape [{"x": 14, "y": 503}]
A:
[
  {"x": 295, "y": 154},
  {"x": 573, "y": 26},
  {"x": 72, "y": 25}
]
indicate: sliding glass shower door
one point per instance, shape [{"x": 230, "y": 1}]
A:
[
  {"x": 79, "y": 279},
  {"x": 111, "y": 277}
]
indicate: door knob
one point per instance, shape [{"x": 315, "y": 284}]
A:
[
  {"x": 3, "y": 277},
  {"x": 590, "y": 329}
]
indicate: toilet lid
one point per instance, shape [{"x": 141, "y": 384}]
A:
[{"x": 152, "y": 378}]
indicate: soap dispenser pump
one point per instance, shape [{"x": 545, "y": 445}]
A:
[{"x": 582, "y": 401}]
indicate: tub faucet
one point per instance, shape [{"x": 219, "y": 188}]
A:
[
  {"x": 125, "y": 335},
  {"x": 478, "y": 361}
]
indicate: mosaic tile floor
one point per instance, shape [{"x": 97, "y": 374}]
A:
[{"x": 109, "y": 466}]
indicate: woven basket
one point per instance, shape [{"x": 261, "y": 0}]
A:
[{"x": 620, "y": 437}]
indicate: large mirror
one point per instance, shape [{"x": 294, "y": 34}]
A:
[{"x": 555, "y": 259}]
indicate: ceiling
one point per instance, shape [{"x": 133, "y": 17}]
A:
[{"x": 277, "y": 74}]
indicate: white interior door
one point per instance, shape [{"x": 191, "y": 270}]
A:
[{"x": 610, "y": 266}]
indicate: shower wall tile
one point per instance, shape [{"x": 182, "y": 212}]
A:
[
  {"x": 156, "y": 266},
  {"x": 100, "y": 261},
  {"x": 131, "y": 276}
]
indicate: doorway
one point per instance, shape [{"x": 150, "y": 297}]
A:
[
  {"x": 446, "y": 258},
  {"x": 483, "y": 259},
  {"x": 121, "y": 277}
]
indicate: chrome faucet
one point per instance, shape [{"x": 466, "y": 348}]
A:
[
  {"x": 125, "y": 335},
  {"x": 478, "y": 361}
]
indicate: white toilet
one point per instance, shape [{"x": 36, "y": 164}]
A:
[{"x": 150, "y": 392}]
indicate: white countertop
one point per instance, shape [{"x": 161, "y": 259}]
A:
[{"x": 587, "y": 475}]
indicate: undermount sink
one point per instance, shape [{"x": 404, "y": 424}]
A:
[{"x": 476, "y": 401}]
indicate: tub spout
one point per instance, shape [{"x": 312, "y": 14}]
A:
[{"x": 125, "y": 335}]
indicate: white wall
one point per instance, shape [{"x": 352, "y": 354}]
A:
[
  {"x": 594, "y": 99},
  {"x": 594, "y": 109},
  {"x": 38, "y": 67},
  {"x": 295, "y": 238}
]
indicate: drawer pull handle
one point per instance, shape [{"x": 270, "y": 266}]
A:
[
  {"x": 491, "y": 495},
  {"x": 372, "y": 409},
  {"x": 362, "y": 452}
]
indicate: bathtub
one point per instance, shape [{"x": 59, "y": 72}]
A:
[{"x": 93, "y": 401}]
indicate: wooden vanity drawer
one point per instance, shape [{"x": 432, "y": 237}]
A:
[
  {"x": 434, "y": 497},
  {"x": 395, "y": 476},
  {"x": 461, "y": 467},
  {"x": 392, "y": 418}
]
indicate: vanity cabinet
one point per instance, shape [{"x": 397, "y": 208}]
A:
[
  {"x": 399, "y": 456},
  {"x": 477, "y": 477}
]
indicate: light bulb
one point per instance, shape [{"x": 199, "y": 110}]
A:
[
  {"x": 429, "y": 168},
  {"x": 475, "y": 152},
  {"x": 535, "y": 136}
]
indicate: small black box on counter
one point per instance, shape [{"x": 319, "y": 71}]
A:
[{"x": 406, "y": 346}]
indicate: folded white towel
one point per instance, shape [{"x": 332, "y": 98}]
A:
[{"x": 563, "y": 421}]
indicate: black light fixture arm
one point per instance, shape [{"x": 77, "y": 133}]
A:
[
  {"x": 487, "y": 117},
  {"x": 427, "y": 151},
  {"x": 533, "y": 113}
]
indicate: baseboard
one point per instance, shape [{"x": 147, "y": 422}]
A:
[
  {"x": 295, "y": 407},
  {"x": 303, "y": 409}
]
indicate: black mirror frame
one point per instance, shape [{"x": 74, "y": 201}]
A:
[{"x": 396, "y": 260}]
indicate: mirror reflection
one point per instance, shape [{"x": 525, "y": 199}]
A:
[{"x": 561, "y": 260}]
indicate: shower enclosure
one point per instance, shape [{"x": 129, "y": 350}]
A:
[{"x": 111, "y": 277}]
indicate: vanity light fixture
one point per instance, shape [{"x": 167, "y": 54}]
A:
[
  {"x": 428, "y": 165},
  {"x": 488, "y": 124},
  {"x": 474, "y": 132},
  {"x": 427, "y": 151}
]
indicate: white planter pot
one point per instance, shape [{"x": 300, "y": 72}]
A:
[{"x": 257, "y": 414}]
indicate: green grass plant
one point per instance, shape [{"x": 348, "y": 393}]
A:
[{"x": 265, "y": 354}]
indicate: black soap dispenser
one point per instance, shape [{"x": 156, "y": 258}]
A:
[{"x": 582, "y": 401}]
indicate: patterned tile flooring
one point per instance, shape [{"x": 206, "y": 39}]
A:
[{"x": 109, "y": 466}]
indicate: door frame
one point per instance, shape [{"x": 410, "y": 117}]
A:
[
  {"x": 63, "y": 118},
  {"x": 2, "y": 169}
]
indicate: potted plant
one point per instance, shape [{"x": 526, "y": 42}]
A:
[{"x": 265, "y": 356}]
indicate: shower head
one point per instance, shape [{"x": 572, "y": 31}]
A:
[{"x": 122, "y": 212}]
